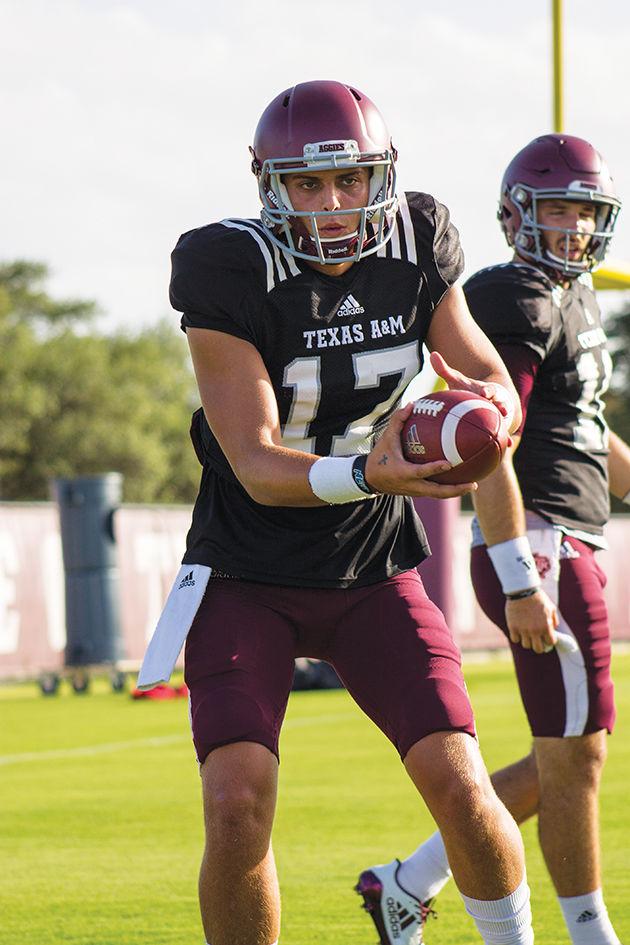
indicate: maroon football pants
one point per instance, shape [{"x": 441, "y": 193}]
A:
[
  {"x": 388, "y": 643},
  {"x": 563, "y": 694}
]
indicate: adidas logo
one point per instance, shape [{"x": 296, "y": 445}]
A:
[
  {"x": 586, "y": 916},
  {"x": 414, "y": 446},
  {"x": 399, "y": 917},
  {"x": 187, "y": 581},
  {"x": 350, "y": 306}
]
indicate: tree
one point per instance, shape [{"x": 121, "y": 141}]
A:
[
  {"x": 618, "y": 397},
  {"x": 77, "y": 403},
  {"x": 23, "y": 299}
]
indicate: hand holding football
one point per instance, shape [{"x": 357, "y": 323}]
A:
[{"x": 460, "y": 427}]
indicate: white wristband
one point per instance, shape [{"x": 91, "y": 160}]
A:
[
  {"x": 626, "y": 497},
  {"x": 506, "y": 398},
  {"x": 514, "y": 565},
  {"x": 332, "y": 480}
]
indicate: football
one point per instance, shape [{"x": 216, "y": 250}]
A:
[{"x": 460, "y": 427}]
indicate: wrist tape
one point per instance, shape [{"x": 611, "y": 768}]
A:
[
  {"x": 514, "y": 565},
  {"x": 339, "y": 479}
]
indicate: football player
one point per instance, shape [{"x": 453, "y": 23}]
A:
[
  {"x": 305, "y": 327},
  {"x": 539, "y": 522}
]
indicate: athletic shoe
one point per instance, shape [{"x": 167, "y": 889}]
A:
[{"x": 398, "y": 916}]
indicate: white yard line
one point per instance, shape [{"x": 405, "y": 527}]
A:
[
  {"x": 105, "y": 748},
  {"x": 155, "y": 742}
]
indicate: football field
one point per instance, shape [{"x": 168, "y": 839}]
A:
[{"x": 101, "y": 832}]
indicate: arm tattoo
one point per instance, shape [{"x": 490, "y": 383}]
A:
[{"x": 383, "y": 460}]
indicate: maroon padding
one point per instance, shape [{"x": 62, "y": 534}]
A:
[{"x": 522, "y": 363}]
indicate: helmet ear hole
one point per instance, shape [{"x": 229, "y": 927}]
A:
[{"x": 255, "y": 165}]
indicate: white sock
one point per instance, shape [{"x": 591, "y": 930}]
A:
[
  {"x": 426, "y": 871},
  {"x": 587, "y": 919},
  {"x": 505, "y": 921}
]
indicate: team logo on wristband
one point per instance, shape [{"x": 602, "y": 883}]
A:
[{"x": 543, "y": 564}]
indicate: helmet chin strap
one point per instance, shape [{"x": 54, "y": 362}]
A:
[{"x": 331, "y": 247}]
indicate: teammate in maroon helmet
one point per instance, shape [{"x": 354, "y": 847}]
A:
[
  {"x": 306, "y": 327},
  {"x": 540, "y": 520}
]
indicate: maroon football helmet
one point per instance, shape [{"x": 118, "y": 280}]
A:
[
  {"x": 566, "y": 168},
  {"x": 322, "y": 126}
]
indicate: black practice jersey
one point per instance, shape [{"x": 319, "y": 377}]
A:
[
  {"x": 340, "y": 352},
  {"x": 561, "y": 462}
]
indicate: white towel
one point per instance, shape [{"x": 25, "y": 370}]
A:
[{"x": 175, "y": 621}]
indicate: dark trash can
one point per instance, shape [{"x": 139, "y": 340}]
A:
[{"x": 87, "y": 506}]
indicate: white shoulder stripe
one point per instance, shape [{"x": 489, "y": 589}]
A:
[
  {"x": 290, "y": 260},
  {"x": 279, "y": 267},
  {"x": 410, "y": 239},
  {"x": 395, "y": 242},
  {"x": 286, "y": 257},
  {"x": 264, "y": 249},
  {"x": 281, "y": 257}
]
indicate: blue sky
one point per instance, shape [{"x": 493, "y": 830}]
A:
[{"x": 127, "y": 123}]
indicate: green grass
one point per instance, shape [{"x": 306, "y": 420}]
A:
[{"x": 101, "y": 847}]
